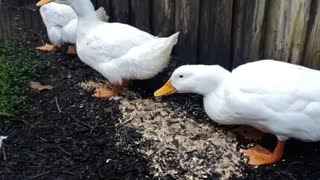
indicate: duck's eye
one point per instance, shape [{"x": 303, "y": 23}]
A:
[{"x": 181, "y": 76}]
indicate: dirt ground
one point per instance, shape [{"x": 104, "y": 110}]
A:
[{"x": 70, "y": 135}]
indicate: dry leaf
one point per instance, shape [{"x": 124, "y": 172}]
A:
[{"x": 39, "y": 87}]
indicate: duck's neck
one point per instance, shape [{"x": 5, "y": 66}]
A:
[
  {"x": 212, "y": 82},
  {"x": 85, "y": 10},
  {"x": 215, "y": 105}
]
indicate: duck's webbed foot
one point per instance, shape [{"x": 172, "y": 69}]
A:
[
  {"x": 103, "y": 93},
  {"x": 250, "y": 133},
  {"x": 259, "y": 156},
  {"x": 47, "y": 48},
  {"x": 72, "y": 50},
  {"x": 108, "y": 93}
]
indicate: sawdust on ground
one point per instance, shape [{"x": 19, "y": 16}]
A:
[{"x": 174, "y": 143}]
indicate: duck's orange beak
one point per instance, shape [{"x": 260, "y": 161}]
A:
[
  {"x": 165, "y": 90},
  {"x": 43, "y": 2}
]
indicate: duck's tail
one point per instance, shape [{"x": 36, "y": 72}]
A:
[
  {"x": 102, "y": 14},
  {"x": 147, "y": 60}
]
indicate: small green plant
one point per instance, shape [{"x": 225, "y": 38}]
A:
[{"x": 16, "y": 67}]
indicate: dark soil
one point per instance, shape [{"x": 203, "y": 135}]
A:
[
  {"x": 78, "y": 142},
  {"x": 81, "y": 141}
]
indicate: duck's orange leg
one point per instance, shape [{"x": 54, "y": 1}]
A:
[
  {"x": 72, "y": 50},
  {"x": 259, "y": 156},
  {"x": 47, "y": 48},
  {"x": 108, "y": 93},
  {"x": 250, "y": 133}
]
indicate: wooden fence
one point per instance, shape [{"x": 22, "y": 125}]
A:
[{"x": 225, "y": 32}]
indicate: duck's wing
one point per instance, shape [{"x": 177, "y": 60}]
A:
[
  {"x": 144, "y": 61},
  {"x": 54, "y": 14},
  {"x": 279, "y": 86},
  {"x": 114, "y": 48},
  {"x": 281, "y": 98},
  {"x": 69, "y": 33},
  {"x": 109, "y": 41}
]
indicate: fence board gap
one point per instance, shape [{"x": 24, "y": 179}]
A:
[
  {"x": 186, "y": 22},
  {"x": 162, "y": 17},
  {"x": 248, "y": 29},
  {"x": 312, "y": 49},
  {"x": 215, "y": 32},
  {"x": 140, "y": 14},
  {"x": 107, "y": 6},
  {"x": 120, "y": 11}
]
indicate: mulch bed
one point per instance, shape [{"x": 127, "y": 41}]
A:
[{"x": 70, "y": 135}]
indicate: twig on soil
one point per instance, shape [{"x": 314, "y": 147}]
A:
[
  {"x": 66, "y": 152},
  {"x": 4, "y": 154},
  {"x": 58, "y": 107},
  {"x": 294, "y": 163},
  {"x": 70, "y": 173},
  {"x": 6, "y": 169},
  {"x": 40, "y": 154},
  {"x": 41, "y": 37},
  {"x": 126, "y": 122},
  {"x": 82, "y": 123},
  {"x": 39, "y": 175},
  {"x": 125, "y": 134},
  {"x": 287, "y": 175},
  {"x": 41, "y": 138}
]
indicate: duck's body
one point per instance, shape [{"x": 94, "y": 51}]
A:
[
  {"x": 61, "y": 24},
  {"x": 56, "y": 17},
  {"x": 124, "y": 52},
  {"x": 117, "y": 51},
  {"x": 276, "y": 97}
]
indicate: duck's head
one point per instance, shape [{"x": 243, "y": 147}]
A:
[
  {"x": 83, "y": 8},
  {"x": 66, "y": 2},
  {"x": 44, "y": 2},
  {"x": 200, "y": 79}
]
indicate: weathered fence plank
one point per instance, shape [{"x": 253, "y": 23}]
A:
[
  {"x": 27, "y": 20},
  {"x": 11, "y": 24},
  {"x": 140, "y": 14},
  {"x": 120, "y": 11},
  {"x": 6, "y": 30},
  {"x": 215, "y": 32},
  {"x": 162, "y": 17},
  {"x": 36, "y": 21},
  {"x": 248, "y": 27},
  {"x": 225, "y": 32},
  {"x": 2, "y": 26},
  {"x": 286, "y": 30},
  {"x": 186, "y": 22},
  {"x": 312, "y": 50},
  {"x": 95, "y": 3},
  {"x": 106, "y": 4}
]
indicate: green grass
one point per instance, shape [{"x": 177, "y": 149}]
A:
[{"x": 16, "y": 69}]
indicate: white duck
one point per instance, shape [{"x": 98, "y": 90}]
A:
[
  {"x": 275, "y": 97},
  {"x": 61, "y": 23},
  {"x": 117, "y": 51}
]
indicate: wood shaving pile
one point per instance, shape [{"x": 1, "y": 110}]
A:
[{"x": 176, "y": 145}]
